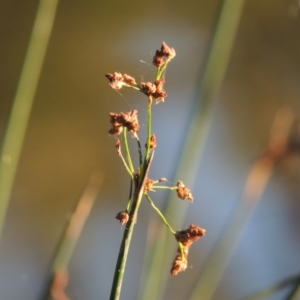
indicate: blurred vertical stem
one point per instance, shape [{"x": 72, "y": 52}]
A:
[
  {"x": 23, "y": 100},
  {"x": 222, "y": 43},
  {"x": 59, "y": 271},
  {"x": 254, "y": 187}
]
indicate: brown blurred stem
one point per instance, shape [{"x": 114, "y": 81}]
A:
[
  {"x": 254, "y": 187},
  {"x": 59, "y": 270},
  {"x": 125, "y": 244}
]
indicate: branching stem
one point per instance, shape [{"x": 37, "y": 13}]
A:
[{"x": 125, "y": 244}]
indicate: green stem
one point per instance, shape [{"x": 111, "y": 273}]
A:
[
  {"x": 23, "y": 100},
  {"x": 161, "y": 69},
  {"x": 160, "y": 214},
  {"x": 126, "y": 166},
  {"x": 162, "y": 187},
  {"x": 125, "y": 244},
  {"x": 130, "y": 196},
  {"x": 149, "y": 123},
  {"x": 139, "y": 149},
  {"x": 127, "y": 151}
]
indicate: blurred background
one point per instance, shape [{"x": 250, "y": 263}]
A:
[{"x": 244, "y": 179}]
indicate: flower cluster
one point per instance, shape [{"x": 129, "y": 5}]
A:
[
  {"x": 123, "y": 217},
  {"x": 164, "y": 52},
  {"x": 186, "y": 238},
  {"x": 128, "y": 120},
  {"x": 150, "y": 182},
  {"x": 117, "y": 80},
  {"x": 154, "y": 90},
  {"x": 183, "y": 192}
]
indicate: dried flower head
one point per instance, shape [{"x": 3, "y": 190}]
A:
[
  {"x": 116, "y": 80},
  {"x": 158, "y": 59},
  {"x": 152, "y": 142},
  {"x": 149, "y": 185},
  {"x": 128, "y": 79},
  {"x": 188, "y": 236},
  {"x": 165, "y": 51},
  {"x": 162, "y": 179},
  {"x": 123, "y": 217},
  {"x": 179, "y": 264},
  {"x": 183, "y": 192},
  {"x": 128, "y": 120},
  {"x": 154, "y": 89},
  {"x": 118, "y": 147}
]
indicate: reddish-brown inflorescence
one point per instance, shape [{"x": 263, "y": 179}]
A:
[
  {"x": 165, "y": 51},
  {"x": 186, "y": 237},
  {"x": 148, "y": 185},
  {"x": 154, "y": 90},
  {"x": 128, "y": 120},
  {"x": 152, "y": 141},
  {"x": 183, "y": 192},
  {"x": 117, "y": 80},
  {"x": 123, "y": 217}
]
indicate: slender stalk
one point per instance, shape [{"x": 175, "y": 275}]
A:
[
  {"x": 149, "y": 123},
  {"x": 125, "y": 244},
  {"x": 23, "y": 100},
  {"x": 139, "y": 149},
  {"x": 159, "y": 213},
  {"x": 130, "y": 195},
  {"x": 127, "y": 150},
  {"x": 128, "y": 169},
  {"x": 162, "y": 187}
]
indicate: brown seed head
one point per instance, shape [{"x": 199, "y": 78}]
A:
[
  {"x": 158, "y": 59},
  {"x": 188, "y": 236},
  {"x": 123, "y": 217},
  {"x": 183, "y": 192},
  {"x": 167, "y": 51},
  {"x": 179, "y": 264},
  {"x": 162, "y": 179},
  {"x": 128, "y": 79},
  {"x": 149, "y": 185},
  {"x": 149, "y": 88},
  {"x": 115, "y": 79},
  {"x": 128, "y": 120},
  {"x": 152, "y": 142}
]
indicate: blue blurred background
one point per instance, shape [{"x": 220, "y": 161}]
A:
[{"x": 67, "y": 141}]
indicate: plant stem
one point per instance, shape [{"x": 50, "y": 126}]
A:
[
  {"x": 23, "y": 100},
  {"x": 125, "y": 244},
  {"x": 139, "y": 149},
  {"x": 149, "y": 123},
  {"x": 127, "y": 151},
  {"x": 160, "y": 214}
]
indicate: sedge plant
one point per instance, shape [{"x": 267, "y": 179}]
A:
[{"x": 127, "y": 125}]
